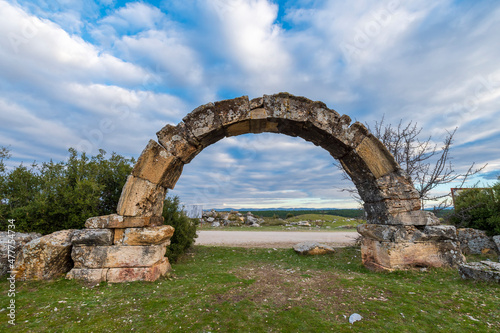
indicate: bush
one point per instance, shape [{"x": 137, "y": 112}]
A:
[
  {"x": 478, "y": 209},
  {"x": 55, "y": 196},
  {"x": 185, "y": 228},
  {"x": 289, "y": 215}
]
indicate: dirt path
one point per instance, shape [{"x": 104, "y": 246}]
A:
[{"x": 273, "y": 239}]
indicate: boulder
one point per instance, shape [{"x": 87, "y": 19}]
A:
[
  {"x": 483, "y": 271},
  {"x": 145, "y": 236},
  {"x": 475, "y": 241},
  {"x": 92, "y": 237},
  {"x": 312, "y": 248},
  {"x": 496, "y": 240},
  {"x": 151, "y": 273},
  {"x": 46, "y": 257},
  {"x": 12, "y": 243}
]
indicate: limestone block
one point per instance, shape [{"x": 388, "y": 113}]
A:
[
  {"x": 312, "y": 248},
  {"x": 496, "y": 240},
  {"x": 233, "y": 111},
  {"x": 92, "y": 237},
  {"x": 376, "y": 156},
  {"x": 46, "y": 257},
  {"x": 286, "y": 106},
  {"x": 205, "y": 124},
  {"x": 179, "y": 141},
  {"x": 88, "y": 275},
  {"x": 117, "y": 256},
  {"x": 475, "y": 241},
  {"x": 483, "y": 271},
  {"x": 395, "y": 186},
  {"x": 351, "y": 136},
  {"x": 145, "y": 236},
  {"x": 356, "y": 168},
  {"x": 140, "y": 197},
  {"x": 115, "y": 221},
  {"x": 378, "y": 255},
  {"x": 391, "y": 233},
  {"x": 12, "y": 243},
  {"x": 152, "y": 273},
  {"x": 398, "y": 212},
  {"x": 440, "y": 232},
  {"x": 158, "y": 166}
]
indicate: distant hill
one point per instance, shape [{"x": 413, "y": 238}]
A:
[{"x": 283, "y": 212}]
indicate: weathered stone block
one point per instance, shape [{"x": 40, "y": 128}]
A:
[
  {"x": 118, "y": 237},
  {"x": 92, "y": 237},
  {"x": 483, "y": 271},
  {"x": 398, "y": 212},
  {"x": 257, "y": 103},
  {"x": 232, "y": 111},
  {"x": 440, "y": 232},
  {"x": 145, "y": 236},
  {"x": 395, "y": 186},
  {"x": 416, "y": 217},
  {"x": 378, "y": 255},
  {"x": 378, "y": 159},
  {"x": 152, "y": 273},
  {"x": 46, "y": 257},
  {"x": 351, "y": 136},
  {"x": 179, "y": 141},
  {"x": 286, "y": 106},
  {"x": 115, "y": 221},
  {"x": 13, "y": 244},
  {"x": 88, "y": 275},
  {"x": 103, "y": 222},
  {"x": 475, "y": 241},
  {"x": 391, "y": 233},
  {"x": 496, "y": 240},
  {"x": 158, "y": 166},
  {"x": 140, "y": 197},
  {"x": 356, "y": 168},
  {"x": 205, "y": 124},
  {"x": 117, "y": 256}
]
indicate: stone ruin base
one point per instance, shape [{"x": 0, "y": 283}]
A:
[
  {"x": 391, "y": 247},
  {"x": 114, "y": 248}
]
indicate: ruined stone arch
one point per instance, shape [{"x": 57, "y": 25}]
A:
[
  {"x": 397, "y": 234},
  {"x": 388, "y": 194}
]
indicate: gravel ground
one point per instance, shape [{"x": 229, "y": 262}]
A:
[{"x": 273, "y": 239}]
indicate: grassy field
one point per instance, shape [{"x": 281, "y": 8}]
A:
[
  {"x": 216, "y": 289},
  {"x": 331, "y": 223}
]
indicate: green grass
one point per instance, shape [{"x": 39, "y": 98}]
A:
[
  {"x": 216, "y": 289},
  {"x": 331, "y": 223}
]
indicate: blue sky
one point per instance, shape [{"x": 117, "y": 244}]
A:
[{"x": 109, "y": 74}]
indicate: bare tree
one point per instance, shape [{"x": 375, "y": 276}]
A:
[{"x": 428, "y": 165}]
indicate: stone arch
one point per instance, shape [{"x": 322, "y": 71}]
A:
[
  {"x": 397, "y": 234},
  {"x": 388, "y": 194}
]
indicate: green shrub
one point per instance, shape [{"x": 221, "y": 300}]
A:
[
  {"x": 289, "y": 215},
  {"x": 478, "y": 209},
  {"x": 185, "y": 228}
]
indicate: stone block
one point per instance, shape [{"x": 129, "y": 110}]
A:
[
  {"x": 440, "y": 232},
  {"x": 232, "y": 111},
  {"x": 140, "y": 197},
  {"x": 92, "y": 237},
  {"x": 179, "y": 141},
  {"x": 152, "y": 273},
  {"x": 117, "y": 256},
  {"x": 391, "y": 233},
  {"x": 394, "y": 186},
  {"x": 145, "y": 236},
  {"x": 103, "y": 221},
  {"x": 118, "y": 237},
  {"x": 474, "y": 241},
  {"x": 286, "y": 106},
  {"x": 496, "y": 240},
  {"x": 416, "y": 217},
  {"x": 12, "y": 243},
  {"x": 257, "y": 103},
  {"x": 205, "y": 125},
  {"x": 158, "y": 166},
  {"x": 353, "y": 135},
  {"x": 378, "y": 255},
  {"x": 45, "y": 258},
  {"x": 398, "y": 212},
  {"x": 376, "y": 156},
  {"x": 115, "y": 221},
  {"x": 482, "y": 271},
  {"x": 88, "y": 275}
]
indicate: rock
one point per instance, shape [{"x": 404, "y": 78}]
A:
[
  {"x": 313, "y": 248},
  {"x": 13, "y": 243},
  {"x": 256, "y": 225},
  {"x": 145, "y": 236},
  {"x": 92, "y": 237},
  {"x": 303, "y": 224},
  {"x": 440, "y": 232},
  {"x": 496, "y": 240},
  {"x": 483, "y": 271},
  {"x": 475, "y": 241},
  {"x": 88, "y": 275},
  {"x": 210, "y": 219},
  {"x": 46, "y": 257},
  {"x": 381, "y": 255},
  {"x": 117, "y": 256},
  {"x": 215, "y": 224},
  {"x": 127, "y": 274},
  {"x": 115, "y": 221},
  {"x": 141, "y": 197}
]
